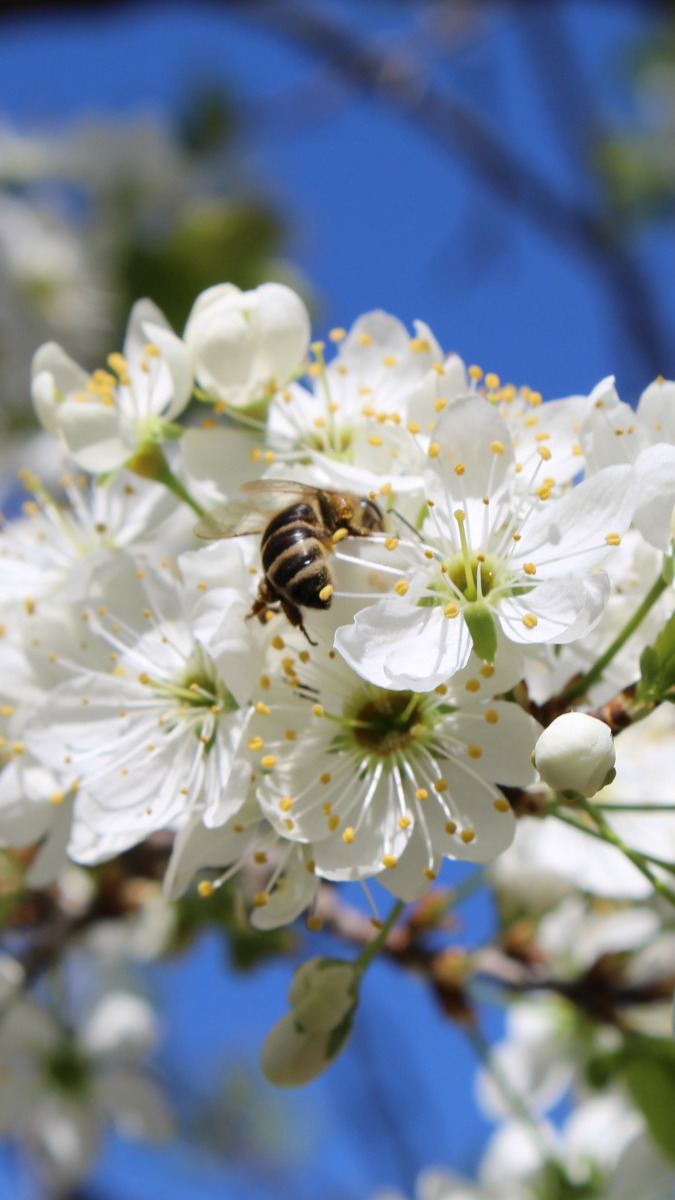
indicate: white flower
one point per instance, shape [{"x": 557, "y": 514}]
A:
[
  {"x": 59, "y": 1086},
  {"x": 245, "y": 345},
  {"x": 159, "y": 736},
  {"x": 104, "y": 418},
  {"x": 613, "y": 433},
  {"x": 575, "y": 753},
  {"x": 490, "y": 555},
  {"x": 375, "y": 779},
  {"x": 367, "y": 419},
  {"x": 322, "y": 996}
]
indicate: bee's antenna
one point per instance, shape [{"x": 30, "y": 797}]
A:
[{"x": 407, "y": 523}]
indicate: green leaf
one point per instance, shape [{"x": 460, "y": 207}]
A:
[{"x": 652, "y": 1085}]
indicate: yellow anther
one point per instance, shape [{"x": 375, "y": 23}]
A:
[
  {"x": 205, "y": 889},
  {"x": 261, "y": 899},
  {"x": 492, "y": 381},
  {"x": 428, "y": 554},
  {"x": 440, "y": 405},
  {"x": 390, "y": 543},
  {"x": 333, "y": 822},
  {"x": 421, "y": 794},
  {"x": 317, "y": 347},
  {"x": 492, "y": 716},
  {"x": 336, "y": 335},
  {"x": 327, "y": 808},
  {"x": 431, "y": 875},
  {"x": 487, "y": 671},
  {"x": 438, "y": 368},
  {"x": 348, "y": 835},
  {"x": 326, "y": 592},
  {"x": 268, "y": 761},
  {"x": 325, "y": 778},
  {"x": 286, "y": 804},
  {"x": 497, "y": 447},
  {"x": 474, "y": 751},
  {"x": 314, "y": 924},
  {"x": 220, "y": 407},
  {"x": 290, "y": 735},
  {"x": 544, "y": 452},
  {"x": 418, "y": 345},
  {"x": 451, "y": 610},
  {"x": 530, "y": 621},
  {"x": 57, "y": 797},
  {"x": 441, "y": 690},
  {"x": 256, "y": 743},
  {"x": 238, "y": 828},
  {"x": 401, "y": 587},
  {"x": 18, "y": 748},
  {"x": 450, "y": 827},
  {"x": 441, "y": 785},
  {"x": 459, "y": 468},
  {"x": 434, "y": 450},
  {"x": 613, "y": 539},
  {"x": 256, "y": 454},
  {"x": 534, "y": 398},
  {"x": 475, "y": 373},
  {"x": 472, "y": 685},
  {"x": 459, "y": 515},
  {"x": 278, "y": 642},
  {"x": 7, "y": 710},
  {"x": 264, "y": 682},
  {"x": 263, "y": 709},
  {"x": 389, "y": 360},
  {"x": 260, "y": 857},
  {"x": 413, "y": 427},
  {"x": 375, "y": 439},
  {"x": 404, "y": 822},
  {"x": 468, "y": 835},
  {"x": 389, "y": 861},
  {"x": 339, "y": 535},
  {"x": 319, "y": 422},
  {"x": 529, "y": 569},
  {"x": 502, "y": 805},
  {"x": 365, "y": 339},
  {"x": 318, "y": 710}
]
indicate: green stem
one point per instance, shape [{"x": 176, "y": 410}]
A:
[
  {"x": 150, "y": 463},
  {"x": 373, "y": 948},
  {"x": 581, "y": 686},
  {"x": 607, "y": 834},
  {"x": 510, "y": 1096}
]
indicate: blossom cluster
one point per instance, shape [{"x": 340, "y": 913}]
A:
[{"x": 367, "y": 723}]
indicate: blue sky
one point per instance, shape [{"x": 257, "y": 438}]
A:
[{"x": 380, "y": 217}]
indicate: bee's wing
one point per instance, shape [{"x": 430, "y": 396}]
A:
[
  {"x": 274, "y": 494},
  {"x": 230, "y": 520}
]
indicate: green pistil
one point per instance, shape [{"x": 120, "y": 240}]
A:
[{"x": 469, "y": 588}]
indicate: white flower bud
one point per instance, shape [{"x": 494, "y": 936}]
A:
[
  {"x": 245, "y": 345},
  {"x": 575, "y": 753},
  {"x": 291, "y": 1057},
  {"x": 321, "y": 994}
]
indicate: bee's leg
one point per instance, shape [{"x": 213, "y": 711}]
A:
[
  {"x": 294, "y": 615},
  {"x": 265, "y": 602}
]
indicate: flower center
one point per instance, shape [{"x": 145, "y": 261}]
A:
[
  {"x": 67, "y": 1069},
  {"x": 474, "y": 575},
  {"x": 386, "y": 722}
]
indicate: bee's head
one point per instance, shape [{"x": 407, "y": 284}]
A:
[{"x": 370, "y": 517}]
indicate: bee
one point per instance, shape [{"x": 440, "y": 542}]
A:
[{"x": 296, "y": 540}]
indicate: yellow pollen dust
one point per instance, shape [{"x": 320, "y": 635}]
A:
[
  {"x": 530, "y": 621},
  {"x": 492, "y": 716},
  {"x": 502, "y": 805},
  {"x": 468, "y": 835},
  {"x": 434, "y": 450},
  {"x": 205, "y": 889},
  {"x": 326, "y": 592},
  {"x": 529, "y": 569},
  {"x": 497, "y": 447},
  {"x": 339, "y": 535},
  {"x": 474, "y": 751},
  {"x": 268, "y": 761},
  {"x": 389, "y": 861},
  {"x": 401, "y": 587},
  {"x": 613, "y": 539},
  {"x": 348, "y": 835},
  {"x": 450, "y": 827},
  {"x": 421, "y": 794}
]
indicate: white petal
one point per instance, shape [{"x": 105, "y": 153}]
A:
[
  {"x": 565, "y": 609},
  {"x": 653, "y": 515},
  {"x": 398, "y": 646}
]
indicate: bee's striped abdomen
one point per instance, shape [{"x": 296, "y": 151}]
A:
[{"x": 293, "y": 557}]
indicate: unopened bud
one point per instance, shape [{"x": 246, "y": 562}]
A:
[
  {"x": 576, "y": 754},
  {"x": 322, "y": 993},
  {"x": 292, "y": 1057}
]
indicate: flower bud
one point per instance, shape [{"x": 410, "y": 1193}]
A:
[
  {"x": 245, "y": 345},
  {"x": 291, "y": 1056},
  {"x": 321, "y": 994},
  {"x": 576, "y": 753}
]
